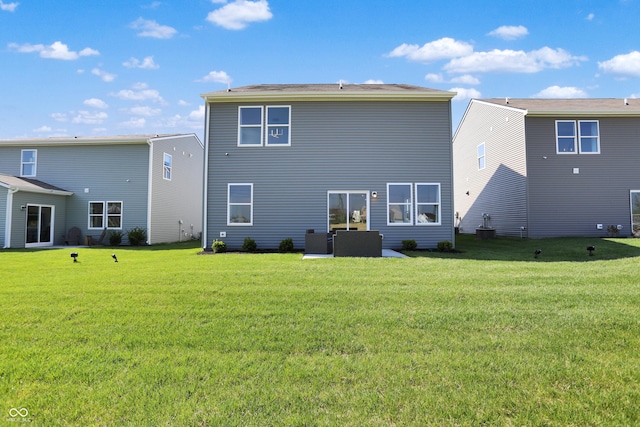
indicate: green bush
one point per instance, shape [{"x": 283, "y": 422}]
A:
[
  {"x": 286, "y": 245},
  {"x": 219, "y": 246},
  {"x": 249, "y": 245},
  {"x": 137, "y": 236},
  {"x": 115, "y": 237},
  {"x": 445, "y": 246},
  {"x": 409, "y": 245}
]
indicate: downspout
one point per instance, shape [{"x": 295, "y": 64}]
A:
[
  {"x": 205, "y": 177},
  {"x": 9, "y": 218},
  {"x": 149, "y": 191}
]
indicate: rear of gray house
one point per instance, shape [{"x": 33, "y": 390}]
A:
[
  {"x": 50, "y": 185},
  {"x": 284, "y": 159},
  {"x": 549, "y": 167}
]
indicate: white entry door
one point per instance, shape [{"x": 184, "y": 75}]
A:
[{"x": 39, "y": 226}]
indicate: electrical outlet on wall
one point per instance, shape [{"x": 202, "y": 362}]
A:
[{"x": 223, "y": 234}]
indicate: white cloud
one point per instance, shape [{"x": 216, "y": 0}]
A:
[
  {"x": 624, "y": 65},
  {"x": 183, "y": 103},
  {"x": 134, "y": 123},
  {"x": 510, "y": 32},
  {"x": 465, "y": 93},
  {"x": 59, "y": 117},
  {"x": 43, "y": 129},
  {"x": 89, "y": 118},
  {"x": 105, "y": 76},
  {"x": 146, "y": 64},
  {"x": 514, "y": 61},
  {"x": 216, "y": 77},
  {"x": 8, "y": 7},
  {"x": 590, "y": 17},
  {"x": 140, "y": 92},
  {"x": 192, "y": 121},
  {"x": 444, "y": 48},
  {"x": 57, "y": 50},
  {"x": 150, "y": 28},
  {"x": 95, "y": 103},
  {"x": 561, "y": 92},
  {"x": 434, "y": 78},
  {"x": 373, "y": 82},
  {"x": 466, "y": 79},
  {"x": 143, "y": 111},
  {"x": 238, "y": 14}
]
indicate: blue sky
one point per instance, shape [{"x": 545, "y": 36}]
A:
[{"x": 84, "y": 68}]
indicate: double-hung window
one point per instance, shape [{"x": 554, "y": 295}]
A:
[
  {"x": 427, "y": 204},
  {"x": 105, "y": 215},
  {"x": 264, "y": 126},
  {"x": 167, "y": 165},
  {"x": 481, "y": 159},
  {"x": 399, "y": 204},
  {"x": 240, "y": 204},
  {"x": 28, "y": 161},
  {"x": 583, "y": 138},
  {"x": 278, "y": 125},
  {"x": 250, "y": 128}
]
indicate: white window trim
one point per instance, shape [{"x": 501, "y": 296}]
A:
[
  {"x": 35, "y": 162},
  {"x": 580, "y": 137},
  {"x": 241, "y": 126},
  {"x": 411, "y": 205},
  {"x": 484, "y": 156},
  {"x": 105, "y": 214},
  {"x": 418, "y": 203},
  {"x": 229, "y": 204},
  {"x": 166, "y": 168},
  {"x": 266, "y": 123},
  {"x": 348, "y": 207},
  {"x": 575, "y": 138}
]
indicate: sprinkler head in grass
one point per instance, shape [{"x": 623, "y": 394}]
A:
[
  {"x": 74, "y": 255},
  {"x": 115, "y": 258},
  {"x": 591, "y": 249},
  {"x": 537, "y": 252}
]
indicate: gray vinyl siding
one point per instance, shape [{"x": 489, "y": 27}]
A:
[
  {"x": 500, "y": 189},
  {"x": 565, "y": 204},
  {"x": 335, "y": 146},
  {"x": 178, "y": 199},
  {"x": 109, "y": 173},
  {"x": 19, "y": 217}
]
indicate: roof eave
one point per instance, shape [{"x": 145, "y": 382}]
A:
[
  {"x": 230, "y": 96},
  {"x": 573, "y": 113}
]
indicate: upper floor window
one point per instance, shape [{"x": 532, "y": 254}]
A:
[
  {"x": 428, "y": 204},
  {"x": 583, "y": 138},
  {"x": 399, "y": 204},
  {"x": 240, "y": 204},
  {"x": 278, "y": 124},
  {"x": 254, "y": 128},
  {"x": 481, "y": 156},
  {"x": 28, "y": 161},
  {"x": 167, "y": 164},
  {"x": 250, "y": 126}
]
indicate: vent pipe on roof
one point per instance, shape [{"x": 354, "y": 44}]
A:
[
  {"x": 506, "y": 100},
  {"x": 340, "y": 84},
  {"x": 626, "y": 101}
]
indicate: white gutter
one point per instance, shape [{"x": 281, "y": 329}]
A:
[
  {"x": 149, "y": 191},
  {"x": 205, "y": 186}
]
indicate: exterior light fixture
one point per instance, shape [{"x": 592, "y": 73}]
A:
[{"x": 374, "y": 194}]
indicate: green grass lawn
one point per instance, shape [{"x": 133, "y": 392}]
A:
[{"x": 486, "y": 336}]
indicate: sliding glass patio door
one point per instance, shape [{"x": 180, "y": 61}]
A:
[
  {"x": 39, "y": 226},
  {"x": 348, "y": 210}
]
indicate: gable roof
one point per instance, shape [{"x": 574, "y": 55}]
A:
[
  {"x": 92, "y": 140},
  {"x": 328, "y": 92},
  {"x": 30, "y": 185},
  {"x": 574, "y": 107}
]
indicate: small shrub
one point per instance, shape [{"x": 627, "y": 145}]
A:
[
  {"x": 445, "y": 246},
  {"x": 219, "y": 246},
  {"x": 409, "y": 245},
  {"x": 115, "y": 237},
  {"x": 613, "y": 231},
  {"x": 286, "y": 245},
  {"x": 137, "y": 236},
  {"x": 249, "y": 245}
]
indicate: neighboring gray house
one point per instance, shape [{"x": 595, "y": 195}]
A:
[
  {"x": 49, "y": 185},
  {"x": 557, "y": 167},
  {"x": 283, "y": 159}
]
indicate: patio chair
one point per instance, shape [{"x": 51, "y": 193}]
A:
[
  {"x": 91, "y": 242},
  {"x": 73, "y": 237}
]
